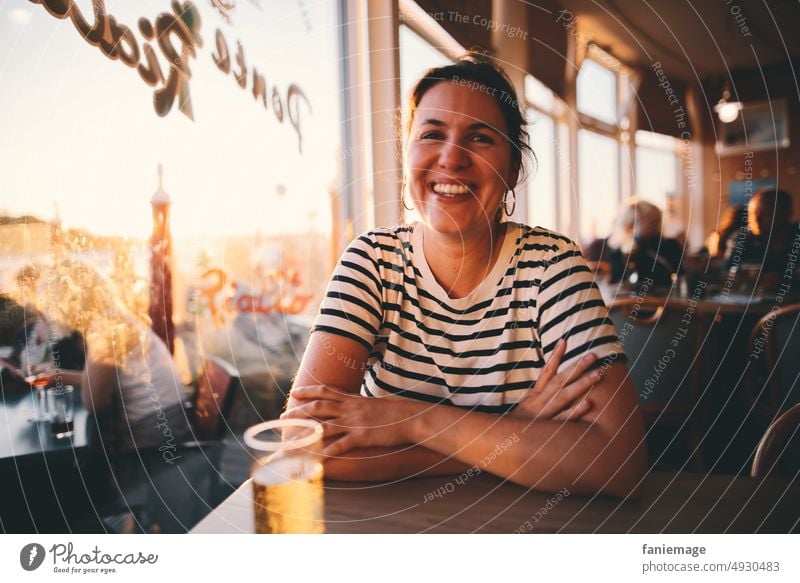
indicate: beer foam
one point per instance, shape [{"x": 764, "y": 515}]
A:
[{"x": 286, "y": 469}]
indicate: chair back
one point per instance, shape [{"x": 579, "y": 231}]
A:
[
  {"x": 774, "y": 348},
  {"x": 214, "y": 399},
  {"x": 778, "y": 453},
  {"x": 660, "y": 341}
]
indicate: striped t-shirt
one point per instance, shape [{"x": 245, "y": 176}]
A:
[{"x": 483, "y": 351}]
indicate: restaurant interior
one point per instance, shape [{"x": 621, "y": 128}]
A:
[{"x": 187, "y": 179}]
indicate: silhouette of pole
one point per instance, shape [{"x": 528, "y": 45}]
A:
[{"x": 161, "y": 267}]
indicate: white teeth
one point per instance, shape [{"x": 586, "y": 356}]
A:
[{"x": 450, "y": 188}]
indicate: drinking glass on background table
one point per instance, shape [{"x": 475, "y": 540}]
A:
[
  {"x": 61, "y": 404},
  {"x": 286, "y": 469},
  {"x": 38, "y": 377}
]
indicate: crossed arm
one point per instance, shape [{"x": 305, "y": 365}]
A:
[{"x": 578, "y": 429}]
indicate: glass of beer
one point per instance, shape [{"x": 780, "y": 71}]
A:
[
  {"x": 61, "y": 405},
  {"x": 286, "y": 469}
]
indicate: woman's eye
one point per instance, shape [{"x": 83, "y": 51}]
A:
[
  {"x": 431, "y": 136},
  {"x": 482, "y": 138}
]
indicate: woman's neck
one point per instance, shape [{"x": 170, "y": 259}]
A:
[{"x": 460, "y": 263}]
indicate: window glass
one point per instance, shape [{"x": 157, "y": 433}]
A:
[
  {"x": 656, "y": 175},
  {"x": 597, "y": 91},
  {"x": 246, "y": 135},
  {"x": 598, "y": 184},
  {"x": 542, "y": 183},
  {"x": 416, "y": 56},
  {"x": 539, "y": 94}
]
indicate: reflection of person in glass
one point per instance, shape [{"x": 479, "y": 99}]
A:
[
  {"x": 474, "y": 341},
  {"x": 129, "y": 378},
  {"x": 769, "y": 239}
]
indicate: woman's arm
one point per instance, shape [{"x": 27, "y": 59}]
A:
[
  {"x": 603, "y": 452},
  {"x": 338, "y": 362},
  {"x": 373, "y": 455}
]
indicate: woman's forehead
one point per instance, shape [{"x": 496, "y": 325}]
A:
[{"x": 461, "y": 103}]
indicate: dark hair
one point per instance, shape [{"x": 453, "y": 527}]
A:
[
  {"x": 732, "y": 219},
  {"x": 479, "y": 69},
  {"x": 780, "y": 200}
]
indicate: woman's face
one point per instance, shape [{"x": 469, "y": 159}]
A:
[{"x": 459, "y": 159}]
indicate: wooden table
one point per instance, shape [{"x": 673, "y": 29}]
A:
[{"x": 673, "y": 503}]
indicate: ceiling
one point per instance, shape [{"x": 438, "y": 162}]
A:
[{"x": 693, "y": 40}]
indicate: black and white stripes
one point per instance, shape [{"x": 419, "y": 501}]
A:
[{"x": 483, "y": 351}]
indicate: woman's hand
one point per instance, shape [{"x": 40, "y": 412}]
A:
[
  {"x": 560, "y": 396},
  {"x": 354, "y": 421}
]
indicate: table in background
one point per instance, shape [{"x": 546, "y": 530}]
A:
[
  {"x": 675, "y": 503},
  {"x": 20, "y": 437}
]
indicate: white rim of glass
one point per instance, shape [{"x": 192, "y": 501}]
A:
[{"x": 251, "y": 432}]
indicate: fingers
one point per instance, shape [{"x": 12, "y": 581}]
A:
[
  {"x": 338, "y": 447},
  {"x": 563, "y": 397},
  {"x": 551, "y": 366},
  {"x": 580, "y": 367},
  {"x": 317, "y": 409},
  {"x": 332, "y": 429}
]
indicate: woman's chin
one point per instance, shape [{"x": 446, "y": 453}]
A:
[{"x": 450, "y": 225}]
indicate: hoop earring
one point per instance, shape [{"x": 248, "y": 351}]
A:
[{"x": 507, "y": 212}]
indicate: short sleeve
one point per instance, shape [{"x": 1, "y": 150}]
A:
[
  {"x": 571, "y": 307},
  {"x": 352, "y": 305}
]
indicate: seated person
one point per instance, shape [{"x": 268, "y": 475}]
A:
[
  {"x": 596, "y": 255},
  {"x": 472, "y": 340},
  {"x": 767, "y": 243},
  {"x": 38, "y": 343},
  {"x": 733, "y": 219},
  {"x": 637, "y": 249},
  {"x": 129, "y": 379}
]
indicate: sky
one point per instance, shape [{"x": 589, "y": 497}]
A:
[{"x": 80, "y": 130}]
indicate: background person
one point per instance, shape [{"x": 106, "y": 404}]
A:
[
  {"x": 129, "y": 379},
  {"x": 637, "y": 246},
  {"x": 768, "y": 240}
]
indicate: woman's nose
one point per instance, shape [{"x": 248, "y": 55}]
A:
[{"x": 452, "y": 155}]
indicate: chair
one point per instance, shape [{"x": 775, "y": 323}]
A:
[
  {"x": 778, "y": 452},
  {"x": 214, "y": 399},
  {"x": 147, "y": 493},
  {"x": 773, "y": 352},
  {"x": 661, "y": 342}
]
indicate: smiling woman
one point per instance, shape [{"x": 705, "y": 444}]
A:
[{"x": 464, "y": 331}]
